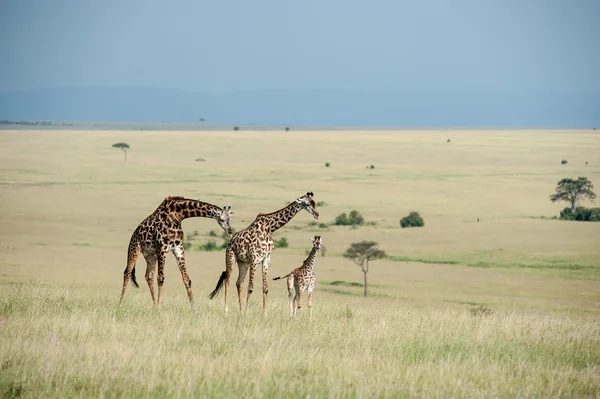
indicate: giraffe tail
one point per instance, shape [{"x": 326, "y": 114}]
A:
[
  {"x": 219, "y": 285},
  {"x": 278, "y": 278},
  {"x": 133, "y": 278}
]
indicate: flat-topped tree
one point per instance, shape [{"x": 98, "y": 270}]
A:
[
  {"x": 362, "y": 253},
  {"x": 123, "y": 147}
]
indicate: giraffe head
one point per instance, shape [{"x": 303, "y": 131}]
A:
[
  {"x": 307, "y": 202},
  {"x": 317, "y": 243},
  {"x": 224, "y": 219}
]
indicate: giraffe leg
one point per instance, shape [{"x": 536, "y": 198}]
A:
[
  {"x": 310, "y": 290},
  {"x": 250, "y": 286},
  {"x": 297, "y": 298},
  {"x": 229, "y": 262},
  {"x": 291, "y": 295},
  {"x": 150, "y": 270},
  {"x": 242, "y": 271},
  {"x": 300, "y": 292},
  {"x": 162, "y": 255},
  {"x": 180, "y": 255},
  {"x": 132, "y": 255},
  {"x": 265, "y": 276}
]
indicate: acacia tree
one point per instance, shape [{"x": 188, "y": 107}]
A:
[
  {"x": 573, "y": 190},
  {"x": 123, "y": 147},
  {"x": 362, "y": 253}
]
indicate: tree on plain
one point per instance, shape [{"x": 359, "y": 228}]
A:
[
  {"x": 573, "y": 190},
  {"x": 123, "y": 147},
  {"x": 362, "y": 253}
]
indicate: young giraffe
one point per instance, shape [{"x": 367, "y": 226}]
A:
[
  {"x": 302, "y": 278},
  {"x": 161, "y": 233},
  {"x": 253, "y": 245}
]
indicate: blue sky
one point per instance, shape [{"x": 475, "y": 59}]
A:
[{"x": 224, "y": 46}]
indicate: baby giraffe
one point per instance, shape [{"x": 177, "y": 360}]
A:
[{"x": 302, "y": 278}]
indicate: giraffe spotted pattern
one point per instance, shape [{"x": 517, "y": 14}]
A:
[
  {"x": 301, "y": 279},
  {"x": 253, "y": 245},
  {"x": 161, "y": 233}
]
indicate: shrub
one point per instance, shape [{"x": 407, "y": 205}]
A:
[
  {"x": 287, "y": 129},
  {"x": 355, "y": 219},
  {"x": 327, "y": 164},
  {"x": 236, "y": 128},
  {"x": 186, "y": 245},
  {"x": 341, "y": 220},
  {"x": 209, "y": 245},
  {"x": 564, "y": 162},
  {"x": 200, "y": 160},
  {"x": 212, "y": 233},
  {"x": 321, "y": 203},
  {"x": 323, "y": 226},
  {"x": 581, "y": 214},
  {"x": 372, "y": 167},
  {"x": 412, "y": 220},
  {"x": 281, "y": 243}
]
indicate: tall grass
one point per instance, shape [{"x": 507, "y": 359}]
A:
[{"x": 67, "y": 341}]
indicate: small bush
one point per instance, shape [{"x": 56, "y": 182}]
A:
[
  {"x": 287, "y": 129},
  {"x": 371, "y": 166},
  {"x": 412, "y": 220},
  {"x": 327, "y": 164},
  {"x": 341, "y": 220},
  {"x": 321, "y": 203},
  {"x": 581, "y": 214},
  {"x": 200, "y": 160},
  {"x": 212, "y": 233},
  {"x": 323, "y": 226},
  {"x": 447, "y": 141},
  {"x": 564, "y": 162},
  {"x": 209, "y": 245},
  {"x": 187, "y": 245},
  {"x": 354, "y": 219},
  {"x": 236, "y": 128},
  {"x": 281, "y": 243}
]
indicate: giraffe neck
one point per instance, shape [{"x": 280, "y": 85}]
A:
[
  {"x": 310, "y": 261},
  {"x": 180, "y": 209},
  {"x": 276, "y": 220}
]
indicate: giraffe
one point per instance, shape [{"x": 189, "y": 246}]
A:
[
  {"x": 253, "y": 245},
  {"x": 302, "y": 278},
  {"x": 161, "y": 233}
]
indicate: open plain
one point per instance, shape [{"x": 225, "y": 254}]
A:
[{"x": 491, "y": 298}]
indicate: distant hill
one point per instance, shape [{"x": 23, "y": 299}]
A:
[{"x": 310, "y": 107}]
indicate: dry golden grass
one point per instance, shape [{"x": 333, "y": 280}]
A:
[{"x": 69, "y": 203}]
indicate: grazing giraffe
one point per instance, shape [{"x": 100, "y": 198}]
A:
[
  {"x": 253, "y": 245},
  {"x": 161, "y": 233},
  {"x": 302, "y": 278}
]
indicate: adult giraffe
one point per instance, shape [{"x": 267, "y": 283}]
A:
[
  {"x": 253, "y": 245},
  {"x": 161, "y": 233}
]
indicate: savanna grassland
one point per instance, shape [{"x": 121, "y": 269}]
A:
[{"x": 507, "y": 306}]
